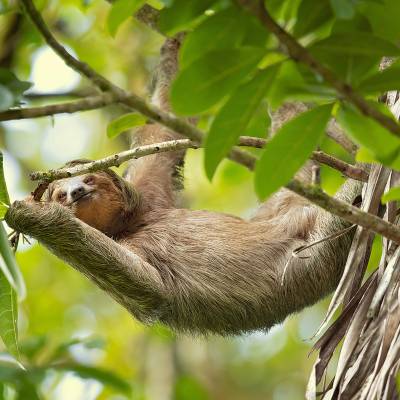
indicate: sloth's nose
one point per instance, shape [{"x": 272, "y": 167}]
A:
[{"x": 77, "y": 192}]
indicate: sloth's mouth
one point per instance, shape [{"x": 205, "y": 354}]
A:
[{"x": 84, "y": 196}]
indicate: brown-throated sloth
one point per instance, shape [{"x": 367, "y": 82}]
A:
[{"x": 196, "y": 271}]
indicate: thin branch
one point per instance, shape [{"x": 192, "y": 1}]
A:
[
  {"x": 116, "y": 160},
  {"x": 346, "y": 169},
  {"x": 89, "y": 103},
  {"x": 149, "y": 16},
  {"x": 85, "y": 92},
  {"x": 299, "y": 53},
  {"x": 315, "y": 195}
]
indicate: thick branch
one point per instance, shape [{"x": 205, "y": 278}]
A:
[
  {"x": 89, "y": 103},
  {"x": 351, "y": 214},
  {"x": 299, "y": 53}
]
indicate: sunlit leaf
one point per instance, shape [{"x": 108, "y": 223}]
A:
[
  {"x": 180, "y": 14},
  {"x": 289, "y": 149},
  {"x": 234, "y": 116},
  {"x": 358, "y": 44},
  {"x": 211, "y": 77},
  {"x": 221, "y": 30},
  {"x": 369, "y": 134},
  {"x": 123, "y": 123},
  {"x": 120, "y": 11},
  {"x": 4, "y": 198},
  {"x": 311, "y": 15},
  {"x": 391, "y": 195},
  {"x": 8, "y": 316},
  {"x": 103, "y": 376}
]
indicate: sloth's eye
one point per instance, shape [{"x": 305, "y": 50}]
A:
[
  {"x": 61, "y": 196},
  {"x": 89, "y": 180}
]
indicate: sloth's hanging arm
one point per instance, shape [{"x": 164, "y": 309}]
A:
[{"x": 131, "y": 281}]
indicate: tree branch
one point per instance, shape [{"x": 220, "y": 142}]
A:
[
  {"x": 89, "y": 103},
  {"x": 350, "y": 213},
  {"x": 116, "y": 160},
  {"x": 299, "y": 53}
]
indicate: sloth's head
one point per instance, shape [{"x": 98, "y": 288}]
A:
[{"x": 102, "y": 199}]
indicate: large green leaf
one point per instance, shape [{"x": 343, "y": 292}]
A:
[
  {"x": 311, "y": 15},
  {"x": 8, "y": 316},
  {"x": 234, "y": 116},
  {"x": 211, "y": 77},
  {"x": 343, "y": 9},
  {"x": 180, "y": 14},
  {"x": 383, "y": 81},
  {"x": 220, "y": 31},
  {"x": 120, "y": 11},
  {"x": 123, "y": 123},
  {"x": 289, "y": 149},
  {"x": 369, "y": 134},
  {"x": 356, "y": 44}
]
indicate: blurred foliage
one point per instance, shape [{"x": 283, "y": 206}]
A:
[{"x": 226, "y": 53}]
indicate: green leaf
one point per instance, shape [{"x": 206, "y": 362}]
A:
[
  {"x": 188, "y": 388},
  {"x": 8, "y": 265},
  {"x": 9, "y": 316},
  {"x": 123, "y": 123},
  {"x": 211, "y": 77},
  {"x": 289, "y": 149},
  {"x": 259, "y": 122},
  {"x": 391, "y": 195},
  {"x": 369, "y": 134},
  {"x": 234, "y": 116},
  {"x": 311, "y": 15},
  {"x": 103, "y": 376},
  {"x": 120, "y": 11},
  {"x": 6, "y": 98},
  {"x": 13, "y": 84},
  {"x": 4, "y": 198},
  {"x": 382, "y": 81},
  {"x": 343, "y": 9},
  {"x": 356, "y": 44},
  {"x": 220, "y": 31},
  {"x": 178, "y": 17}
]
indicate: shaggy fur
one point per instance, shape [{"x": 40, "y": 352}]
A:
[{"x": 196, "y": 271}]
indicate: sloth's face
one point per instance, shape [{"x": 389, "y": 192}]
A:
[{"x": 94, "y": 198}]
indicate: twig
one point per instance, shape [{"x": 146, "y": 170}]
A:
[
  {"x": 346, "y": 169},
  {"x": 116, "y": 160},
  {"x": 299, "y": 53},
  {"x": 68, "y": 94},
  {"x": 89, "y": 103},
  {"x": 313, "y": 194}
]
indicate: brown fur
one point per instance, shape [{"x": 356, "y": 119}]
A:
[{"x": 197, "y": 271}]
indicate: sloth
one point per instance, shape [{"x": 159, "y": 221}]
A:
[{"x": 196, "y": 271}]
